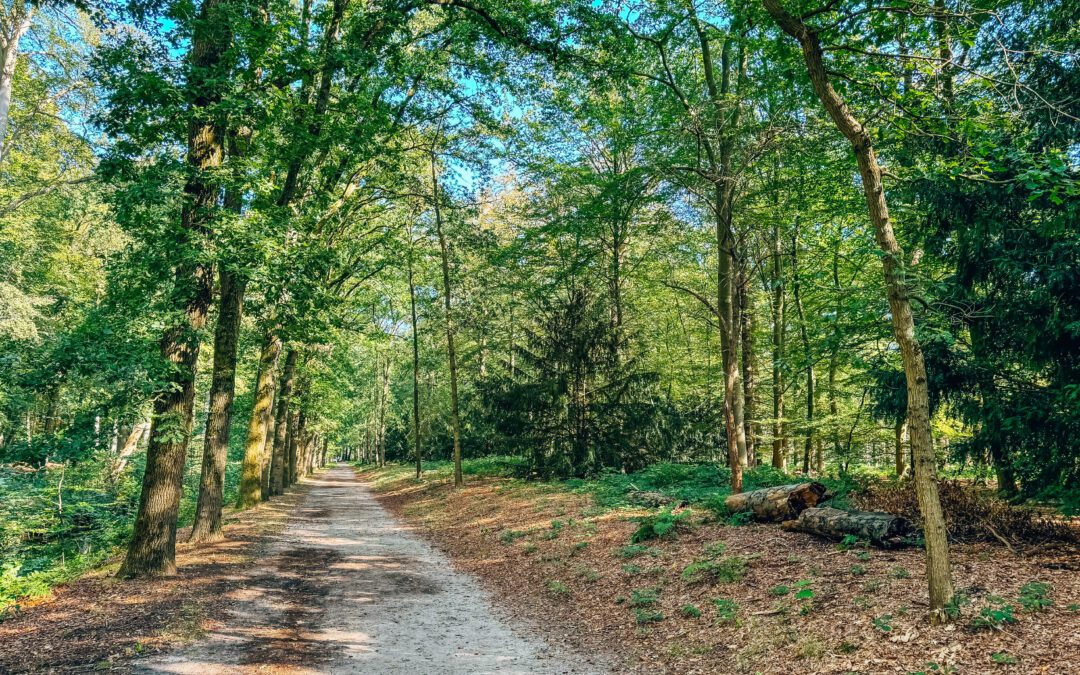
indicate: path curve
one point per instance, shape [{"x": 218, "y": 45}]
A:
[{"x": 347, "y": 588}]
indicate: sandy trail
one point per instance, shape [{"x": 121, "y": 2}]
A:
[{"x": 346, "y": 588}]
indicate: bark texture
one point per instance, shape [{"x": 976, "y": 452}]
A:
[
  {"x": 207, "y": 526},
  {"x": 881, "y": 529},
  {"x": 251, "y": 472},
  {"x": 938, "y": 570},
  {"x": 152, "y": 550},
  {"x": 779, "y": 503},
  {"x": 278, "y": 458}
]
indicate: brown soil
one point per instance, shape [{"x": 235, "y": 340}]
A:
[
  {"x": 572, "y": 581},
  {"x": 100, "y": 622}
]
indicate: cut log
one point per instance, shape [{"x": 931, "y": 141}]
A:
[
  {"x": 881, "y": 529},
  {"x": 776, "y": 504}
]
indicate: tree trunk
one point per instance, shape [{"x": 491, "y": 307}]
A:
[
  {"x": 278, "y": 458},
  {"x": 152, "y": 550},
  {"x": 748, "y": 366},
  {"x": 811, "y": 380},
  {"x": 415, "y": 364},
  {"x": 251, "y": 473},
  {"x": 451, "y": 353},
  {"x": 779, "y": 445},
  {"x": 14, "y": 26},
  {"x": 939, "y": 573},
  {"x": 725, "y": 239},
  {"x": 881, "y": 529},
  {"x": 779, "y": 503},
  {"x": 207, "y": 526},
  {"x": 898, "y": 454},
  {"x": 292, "y": 438}
]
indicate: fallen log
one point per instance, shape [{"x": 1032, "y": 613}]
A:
[
  {"x": 881, "y": 529},
  {"x": 776, "y": 504}
]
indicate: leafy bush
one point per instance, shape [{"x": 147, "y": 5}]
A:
[
  {"x": 726, "y": 610},
  {"x": 1034, "y": 596},
  {"x": 691, "y": 611},
  {"x": 644, "y": 616},
  {"x": 659, "y": 525},
  {"x": 635, "y": 550},
  {"x": 994, "y": 616},
  {"x": 644, "y": 597},
  {"x": 557, "y": 587},
  {"x": 726, "y": 570}
]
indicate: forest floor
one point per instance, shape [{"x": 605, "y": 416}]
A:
[
  {"x": 716, "y": 598},
  {"x": 321, "y": 580}
]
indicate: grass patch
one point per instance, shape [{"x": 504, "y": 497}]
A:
[{"x": 726, "y": 570}]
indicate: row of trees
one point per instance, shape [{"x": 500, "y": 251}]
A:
[{"x": 598, "y": 234}]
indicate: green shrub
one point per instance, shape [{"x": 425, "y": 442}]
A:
[
  {"x": 779, "y": 590},
  {"x": 644, "y": 597},
  {"x": 1004, "y": 659},
  {"x": 883, "y": 623},
  {"x": 691, "y": 611},
  {"x": 1034, "y": 596},
  {"x": 635, "y": 550},
  {"x": 726, "y": 570},
  {"x": 726, "y": 610},
  {"x": 558, "y": 587},
  {"x": 510, "y": 536},
  {"x": 901, "y": 573},
  {"x": 659, "y": 525},
  {"x": 994, "y": 616},
  {"x": 644, "y": 616}
]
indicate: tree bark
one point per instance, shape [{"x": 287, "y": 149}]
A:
[
  {"x": 13, "y": 26},
  {"x": 251, "y": 473},
  {"x": 779, "y": 444},
  {"x": 292, "y": 436},
  {"x": 207, "y": 526},
  {"x": 881, "y": 529},
  {"x": 811, "y": 380},
  {"x": 152, "y": 550},
  {"x": 749, "y": 380},
  {"x": 444, "y": 251},
  {"x": 415, "y": 364},
  {"x": 939, "y": 573},
  {"x": 779, "y": 503},
  {"x": 278, "y": 457}
]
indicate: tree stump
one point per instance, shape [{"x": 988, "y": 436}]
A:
[
  {"x": 881, "y": 529},
  {"x": 777, "y": 504}
]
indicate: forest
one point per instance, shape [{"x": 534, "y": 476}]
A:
[{"x": 587, "y": 241}]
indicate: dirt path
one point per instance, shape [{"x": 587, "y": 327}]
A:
[{"x": 347, "y": 588}]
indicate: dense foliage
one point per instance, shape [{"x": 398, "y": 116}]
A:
[{"x": 596, "y": 235}]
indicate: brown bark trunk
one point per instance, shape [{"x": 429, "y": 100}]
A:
[
  {"x": 779, "y": 503},
  {"x": 811, "y": 380},
  {"x": 939, "y": 573},
  {"x": 251, "y": 479},
  {"x": 292, "y": 437},
  {"x": 415, "y": 364},
  {"x": 152, "y": 550},
  {"x": 444, "y": 250},
  {"x": 779, "y": 444},
  {"x": 726, "y": 303},
  {"x": 880, "y": 529},
  {"x": 278, "y": 457},
  {"x": 207, "y": 526},
  {"x": 748, "y": 366}
]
